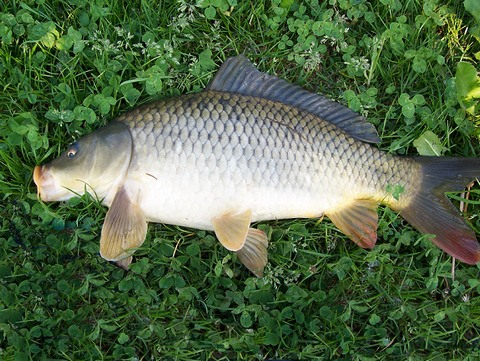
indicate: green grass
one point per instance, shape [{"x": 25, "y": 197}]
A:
[{"x": 67, "y": 67}]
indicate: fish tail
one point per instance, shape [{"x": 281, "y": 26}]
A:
[{"x": 431, "y": 212}]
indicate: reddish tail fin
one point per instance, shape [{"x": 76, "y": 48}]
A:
[{"x": 431, "y": 212}]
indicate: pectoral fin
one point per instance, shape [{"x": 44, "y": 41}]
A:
[
  {"x": 123, "y": 231},
  {"x": 358, "y": 221},
  {"x": 124, "y": 262},
  {"x": 253, "y": 254},
  {"x": 232, "y": 229}
]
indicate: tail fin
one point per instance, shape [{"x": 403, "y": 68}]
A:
[{"x": 431, "y": 211}]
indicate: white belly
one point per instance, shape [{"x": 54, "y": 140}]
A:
[{"x": 194, "y": 202}]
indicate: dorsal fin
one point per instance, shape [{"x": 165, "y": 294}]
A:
[{"x": 239, "y": 75}]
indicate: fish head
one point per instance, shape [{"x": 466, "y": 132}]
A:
[{"x": 96, "y": 161}]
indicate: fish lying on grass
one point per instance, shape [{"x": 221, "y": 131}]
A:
[{"x": 252, "y": 147}]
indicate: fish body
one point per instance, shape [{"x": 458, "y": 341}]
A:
[
  {"x": 253, "y": 147},
  {"x": 229, "y": 152}
]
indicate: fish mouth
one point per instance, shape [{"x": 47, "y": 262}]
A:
[{"x": 47, "y": 187}]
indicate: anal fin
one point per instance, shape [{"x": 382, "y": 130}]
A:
[
  {"x": 253, "y": 254},
  {"x": 358, "y": 221},
  {"x": 123, "y": 231}
]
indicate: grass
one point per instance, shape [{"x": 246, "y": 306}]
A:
[{"x": 67, "y": 67}]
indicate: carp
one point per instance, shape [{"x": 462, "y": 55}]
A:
[{"x": 253, "y": 147}]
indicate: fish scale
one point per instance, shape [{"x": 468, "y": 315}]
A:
[
  {"x": 252, "y": 147},
  {"x": 253, "y": 143}
]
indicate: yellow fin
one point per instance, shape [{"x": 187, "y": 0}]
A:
[
  {"x": 358, "y": 221},
  {"x": 123, "y": 231},
  {"x": 124, "y": 263},
  {"x": 231, "y": 229},
  {"x": 254, "y": 252}
]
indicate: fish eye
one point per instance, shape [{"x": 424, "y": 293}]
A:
[{"x": 72, "y": 151}]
